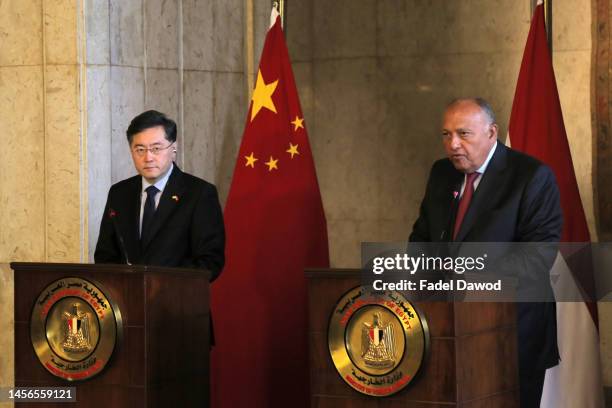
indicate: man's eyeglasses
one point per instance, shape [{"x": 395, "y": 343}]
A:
[{"x": 140, "y": 151}]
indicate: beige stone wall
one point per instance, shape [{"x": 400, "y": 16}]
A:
[
  {"x": 572, "y": 44},
  {"x": 7, "y": 358},
  {"x": 572, "y": 58},
  {"x": 72, "y": 75},
  {"x": 185, "y": 58},
  {"x": 42, "y": 162},
  {"x": 373, "y": 77}
]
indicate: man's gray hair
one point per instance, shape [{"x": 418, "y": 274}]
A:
[{"x": 481, "y": 102}]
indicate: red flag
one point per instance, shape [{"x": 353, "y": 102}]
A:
[
  {"x": 536, "y": 127},
  {"x": 275, "y": 227}
]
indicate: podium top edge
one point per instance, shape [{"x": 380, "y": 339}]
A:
[{"x": 107, "y": 268}]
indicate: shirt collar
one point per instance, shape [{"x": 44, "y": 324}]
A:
[
  {"x": 161, "y": 183},
  {"x": 482, "y": 168}
]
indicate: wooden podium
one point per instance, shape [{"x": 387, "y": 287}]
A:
[
  {"x": 472, "y": 360},
  {"x": 162, "y": 359}
]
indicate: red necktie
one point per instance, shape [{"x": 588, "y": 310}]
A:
[{"x": 464, "y": 204}]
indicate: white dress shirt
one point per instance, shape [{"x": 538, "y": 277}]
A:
[{"x": 480, "y": 170}]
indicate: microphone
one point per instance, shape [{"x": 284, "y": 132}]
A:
[{"x": 112, "y": 214}]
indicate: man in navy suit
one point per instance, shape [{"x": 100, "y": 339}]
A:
[
  {"x": 486, "y": 192},
  {"x": 162, "y": 216}
]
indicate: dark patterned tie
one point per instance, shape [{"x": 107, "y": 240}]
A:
[
  {"x": 464, "y": 204},
  {"x": 149, "y": 210}
]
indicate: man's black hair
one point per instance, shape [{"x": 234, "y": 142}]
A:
[{"x": 150, "y": 119}]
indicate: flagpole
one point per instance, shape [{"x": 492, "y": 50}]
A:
[
  {"x": 547, "y": 20},
  {"x": 548, "y": 23},
  {"x": 281, "y": 7}
]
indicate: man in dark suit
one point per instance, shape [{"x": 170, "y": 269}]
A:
[
  {"x": 162, "y": 216},
  {"x": 486, "y": 192}
]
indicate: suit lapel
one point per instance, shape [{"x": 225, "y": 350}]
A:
[
  {"x": 168, "y": 202},
  {"x": 451, "y": 203},
  {"x": 481, "y": 200},
  {"x": 128, "y": 220}
]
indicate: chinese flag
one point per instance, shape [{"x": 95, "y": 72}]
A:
[
  {"x": 275, "y": 228},
  {"x": 536, "y": 127}
]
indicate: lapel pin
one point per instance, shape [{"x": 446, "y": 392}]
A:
[
  {"x": 455, "y": 194},
  {"x": 175, "y": 198},
  {"x": 112, "y": 213}
]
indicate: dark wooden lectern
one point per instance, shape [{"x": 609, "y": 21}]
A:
[
  {"x": 163, "y": 358},
  {"x": 472, "y": 361}
]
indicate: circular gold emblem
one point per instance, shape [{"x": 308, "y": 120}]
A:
[
  {"x": 74, "y": 328},
  {"x": 377, "y": 341}
]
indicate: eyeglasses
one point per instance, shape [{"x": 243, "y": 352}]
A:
[{"x": 140, "y": 151}]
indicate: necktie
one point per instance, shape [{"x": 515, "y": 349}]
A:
[
  {"x": 464, "y": 204},
  {"x": 149, "y": 210}
]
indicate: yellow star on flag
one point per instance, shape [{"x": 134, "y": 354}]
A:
[
  {"x": 298, "y": 123},
  {"x": 272, "y": 164},
  {"x": 262, "y": 96},
  {"x": 292, "y": 150},
  {"x": 250, "y": 160}
]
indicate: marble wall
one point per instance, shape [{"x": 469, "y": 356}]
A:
[
  {"x": 373, "y": 77},
  {"x": 373, "y": 98},
  {"x": 72, "y": 75},
  {"x": 42, "y": 161},
  {"x": 7, "y": 358},
  {"x": 183, "y": 57},
  {"x": 572, "y": 60}
]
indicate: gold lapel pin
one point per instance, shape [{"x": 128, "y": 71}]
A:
[{"x": 175, "y": 198}]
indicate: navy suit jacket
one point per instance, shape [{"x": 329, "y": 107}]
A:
[
  {"x": 517, "y": 200},
  {"x": 187, "y": 228}
]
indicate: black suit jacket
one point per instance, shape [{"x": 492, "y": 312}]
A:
[
  {"x": 517, "y": 200},
  {"x": 186, "y": 231}
]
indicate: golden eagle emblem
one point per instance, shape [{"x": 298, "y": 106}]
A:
[{"x": 378, "y": 343}]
